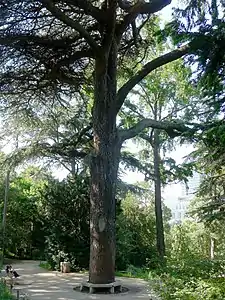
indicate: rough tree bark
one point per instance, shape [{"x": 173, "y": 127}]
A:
[
  {"x": 158, "y": 197},
  {"x": 104, "y": 168}
]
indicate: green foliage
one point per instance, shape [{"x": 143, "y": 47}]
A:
[
  {"x": 66, "y": 209},
  {"x": 49, "y": 219},
  {"x": 167, "y": 94},
  {"x": 135, "y": 233},
  {"x": 190, "y": 274},
  {"x": 190, "y": 280},
  {"x": 189, "y": 240},
  {"x": 177, "y": 289},
  {"x": 184, "y": 280},
  {"x": 45, "y": 265},
  {"x": 5, "y": 293},
  {"x": 134, "y": 272},
  {"x": 24, "y": 235}
]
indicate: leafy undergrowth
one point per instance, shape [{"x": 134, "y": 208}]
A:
[
  {"x": 45, "y": 265},
  {"x": 186, "y": 280},
  {"x": 133, "y": 272},
  {"x": 183, "y": 280},
  {"x": 5, "y": 293}
]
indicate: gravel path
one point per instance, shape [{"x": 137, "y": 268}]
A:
[{"x": 40, "y": 284}]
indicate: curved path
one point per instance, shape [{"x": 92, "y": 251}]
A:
[{"x": 40, "y": 284}]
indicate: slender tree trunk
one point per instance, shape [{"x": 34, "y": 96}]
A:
[
  {"x": 104, "y": 168},
  {"x": 4, "y": 215},
  {"x": 73, "y": 166},
  {"x": 212, "y": 248},
  {"x": 158, "y": 197}
]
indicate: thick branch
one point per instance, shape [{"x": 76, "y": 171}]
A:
[
  {"x": 141, "y": 7},
  {"x": 89, "y": 9},
  {"x": 48, "y": 4},
  {"x": 172, "y": 128},
  {"x": 125, "y": 5},
  {"x": 76, "y": 56},
  {"x": 111, "y": 25},
  {"x": 150, "y": 7},
  {"x": 36, "y": 40},
  {"x": 148, "y": 68}
]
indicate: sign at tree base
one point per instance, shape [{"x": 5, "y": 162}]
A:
[{"x": 65, "y": 267}]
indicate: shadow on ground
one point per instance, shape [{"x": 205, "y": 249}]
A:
[{"x": 40, "y": 284}]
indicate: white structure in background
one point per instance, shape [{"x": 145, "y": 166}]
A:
[{"x": 187, "y": 194}]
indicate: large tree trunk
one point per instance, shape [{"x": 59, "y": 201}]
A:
[
  {"x": 158, "y": 198},
  {"x": 104, "y": 168}
]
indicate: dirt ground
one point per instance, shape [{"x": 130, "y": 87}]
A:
[{"x": 40, "y": 284}]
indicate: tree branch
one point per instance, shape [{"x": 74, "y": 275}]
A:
[
  {"x": 141, "y": 7},
  {"x": 48, "y": 4},
  {"x": 148, "y": 138},
  {"x": 76, "y": 56},
  {"x": 148, "y": 68},
  {"x": 151, "y": 6},
  {"x": 89, "y": 9},
  {"x": 173, "y": 129},
  {"x": 36, "y": 40},
  {"x": 125, "y": 5},
  {"x": 111, "y": 25}
]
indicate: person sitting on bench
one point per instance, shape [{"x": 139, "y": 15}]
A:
[{"x": 11, "y": 272}]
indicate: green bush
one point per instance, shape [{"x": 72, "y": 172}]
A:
[
  {"x": 5, "y": 293},
  {"x": 67, "y": 222},
  {"x": 191, "y": 280},
  {"x": 45, "y": 265},
  {"x": 171, "y": 288},
  {"x": 24, "y": 215},
  {"x": 134, "y": 272},
  {"x": 196, "y": 268},
  {"x": 136, "y": 244}
]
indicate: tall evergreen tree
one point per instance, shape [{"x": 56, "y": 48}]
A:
[{"x": 48, "y": 51}]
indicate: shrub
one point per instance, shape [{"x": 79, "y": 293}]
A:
[
  {"x": 5, "y": 293},
  {"x": 191, "y": 280},
  {"x": 67, "y": 222}
]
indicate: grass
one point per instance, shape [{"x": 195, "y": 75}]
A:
[
  {"x": 45, "y": 265},
  {"x": 134, "y": 273}
]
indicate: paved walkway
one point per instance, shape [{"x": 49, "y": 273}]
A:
[{"x": 45, "y": 285}]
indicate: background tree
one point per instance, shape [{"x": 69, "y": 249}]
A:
[
  {"x": 24, "y": 230},
  {"x": 58, "y": 134},
  {"x": 164, "y": 95}
]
